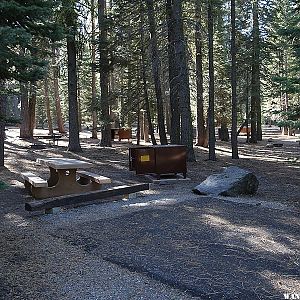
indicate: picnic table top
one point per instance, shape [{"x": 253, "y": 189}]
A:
[{"x": 64, "y": 163}]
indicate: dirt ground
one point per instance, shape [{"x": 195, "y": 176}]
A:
[
  {"x": 167, "y": 243},
  {"x": 277, "y": 168}
]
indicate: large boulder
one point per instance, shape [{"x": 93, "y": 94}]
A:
[{"x": 232, "y": 181}]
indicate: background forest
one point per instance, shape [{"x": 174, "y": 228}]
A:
[{"x": 184, "y": 67}]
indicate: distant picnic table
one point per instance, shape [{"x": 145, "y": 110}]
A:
[{"x": 54, "y": 137}]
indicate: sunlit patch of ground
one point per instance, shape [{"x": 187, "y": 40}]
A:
[{"x": 278, "y": 169}]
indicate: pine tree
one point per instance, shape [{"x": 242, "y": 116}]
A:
[
  {"x": 255, "y": 79},
  {"x": 179, "y": 66},
  {"x": 201, "y": 133},
  {"x": 173, "y": 72},
  {"x": 94, "y": 94},
  {"x": 56, "y": 93},
  {"x": 211, "y": 107},
  {"x": 19, "y": 22},
  {"x": 156, "y": 71},
  {"x": 3, "y": 102},
  {"x": 104, "y": 74},
  {"x": 144, "y": 80},
  {"x": 70, "y": 18},
  {"x": 234, "y": 145}
]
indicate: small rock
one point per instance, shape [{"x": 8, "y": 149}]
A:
[{"x": 269, "y": 146}]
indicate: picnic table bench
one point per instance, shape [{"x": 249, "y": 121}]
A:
[
  {"x": 54, "y": 137},
  {"x": 63, "y": 179},
  {"x": 68, "y": 186},
  {"x": 48, "y": 136}
]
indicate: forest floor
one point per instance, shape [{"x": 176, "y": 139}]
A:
[
  {"x": 278, "y": 169},
  {"x": 167, "y": 243}
]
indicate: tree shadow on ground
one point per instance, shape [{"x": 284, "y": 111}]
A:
[{"x": 209, "y": 248}]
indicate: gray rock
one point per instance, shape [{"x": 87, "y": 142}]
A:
[{"x": 232, "y": 181}]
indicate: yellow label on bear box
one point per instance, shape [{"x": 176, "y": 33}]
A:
[{"x": 145, "y": 158}]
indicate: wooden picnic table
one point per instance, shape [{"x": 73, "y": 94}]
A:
[{"x": 63, "y": 178}]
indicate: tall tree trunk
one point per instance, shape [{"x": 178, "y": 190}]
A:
[
  {"x": 255, "y": 80},
  {"x": 182, "y": 91},
  {"x": 138, "y": 129},
  {"x": 3, "y": 100},
  {"x": 124, "y": 110},
  {"x": 24, "y": 127},
  {"x": 168, "y": 117},
  {"x": 146, "y": 129},
  {"x": 165, "y": 89},
  {"x": 74, "y": 142},
  {"x": 283, "y": 92},
  {"x": 31, "y": 107},
  {"x": 47, "y": 105},
  {"x": 55, "y": 70},
  {"x": 156, "y": 71},
  {"x": 211, "y": 107},
  {"x": 144, "y": 80},
  {"x": 113, "y": 98},
  {"x": 79, "y": 104},
  {"x": 104, "y": 75},
  {"x": 247, "y": 106},
  {"x": 199, "y": 75},
  {"x": 142, "y": 127},
  {"x": 259, "y": 125},
  {"x": 94, "y": 99},
  {"x": 234, "y": 142},
  {"x": 173, "y": 80}
]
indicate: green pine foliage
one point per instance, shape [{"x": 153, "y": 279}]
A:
[
  {"x": 283, "y": 62},
  {"x": 22, "y": 23}
]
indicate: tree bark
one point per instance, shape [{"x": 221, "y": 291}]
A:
[
  {"x": 74, "y": 142},
  {"x": 3, "y": 100},
  {"x": 286, "y": 130},
  {"x": 79, "y": 103},
  {"x": 55, "y": 70},
  {"x": 199, "y": 75},
  {"x": 156, "y": 72},
  {"x": 165, "y": 89},
  {"x": 31, "y": 107},
  {"x": 142, "y": 127},
  {"x": 247, "y": 106},
  {"x": 24, "y": 127},
  {"x": 211, "y": 107},
  {"x": 47, "y": 105},
  {"x": 138, "y": 129},
  {"x": 173, "y": 80},
  {"x": 144, "y": 80},
  {"x": 234, "y": 142},
  {"x": 182, "y": 90},
  {"x": 146, "y": 128},
  {"x": 255, "y": 80},
  {"x": 104, "y": 75}
]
